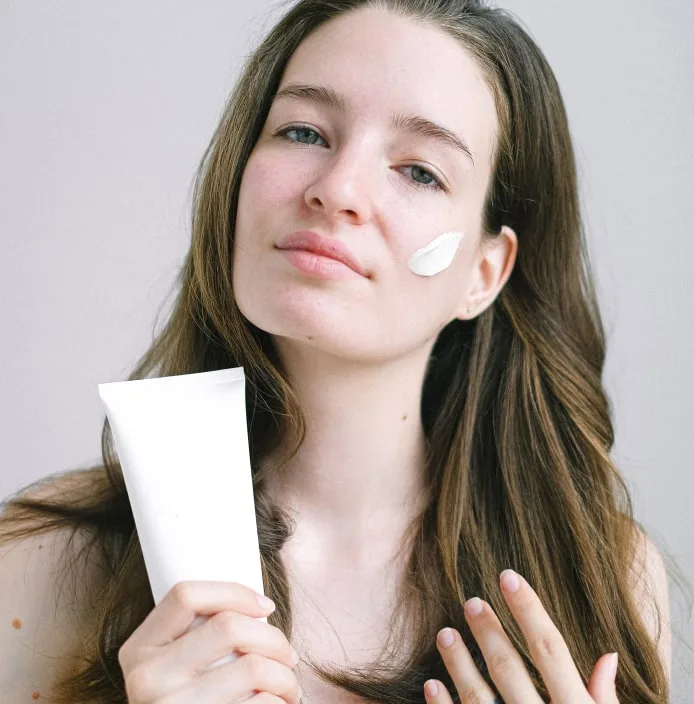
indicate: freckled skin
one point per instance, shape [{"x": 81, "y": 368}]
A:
[
  {"x": 16, "y": 623},
  {"x": 35, "y": 695}
]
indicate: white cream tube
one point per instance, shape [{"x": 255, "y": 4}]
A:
[{"x": 182, "y": 443}]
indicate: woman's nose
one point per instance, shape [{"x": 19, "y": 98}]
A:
[{"x": 342, "y": 187}]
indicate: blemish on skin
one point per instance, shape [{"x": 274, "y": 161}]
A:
[
  {"x": 16, "y": 623},
  {"x": 35, "y": 695},
  {"x": 404, "y": 417}
]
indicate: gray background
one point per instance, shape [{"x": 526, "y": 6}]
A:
[{"x": 106, "y": 110}]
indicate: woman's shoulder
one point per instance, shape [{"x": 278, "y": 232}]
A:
[
  {"x": 649, "y": 583},
  {"x": 48, "y": 583}
]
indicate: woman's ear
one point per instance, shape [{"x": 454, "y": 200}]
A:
[{"x": 495, "y": 261}]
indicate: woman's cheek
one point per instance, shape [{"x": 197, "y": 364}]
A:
[
  {"x": 269, "y": 178},
  {"x": 436, "y": 255}
]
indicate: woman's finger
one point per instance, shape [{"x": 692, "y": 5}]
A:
[
  {"x": 435, "y": 692},
  {"x": 175, "y": 614},
  {"x": 468, "y": 681},
  {"x": 228, "y": 632},
  {"x": 226, "y": 684},
  {"x": 601, "y": 685},
  {"x": 546, "y": 644},
  {"x": 505, "y": 665}
]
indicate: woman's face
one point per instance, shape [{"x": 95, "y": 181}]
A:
[{"x": 350, "y": 175}]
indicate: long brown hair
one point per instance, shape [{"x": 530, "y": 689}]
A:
[{"x": 516, "y": 418}]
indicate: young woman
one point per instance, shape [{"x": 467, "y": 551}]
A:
[{"x": 429, "y": 432}]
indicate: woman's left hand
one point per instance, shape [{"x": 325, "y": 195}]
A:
[{"x": 547, "y": 647}]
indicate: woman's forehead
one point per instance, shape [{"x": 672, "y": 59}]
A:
[{"x": 379, "y": 66}]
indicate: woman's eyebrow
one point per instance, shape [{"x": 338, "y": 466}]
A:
[{"x": 410, "y": 124}]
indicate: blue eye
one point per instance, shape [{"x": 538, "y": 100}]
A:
[
  {"x": 433, "y": 185},
  {"x": 297, "y": 128}
]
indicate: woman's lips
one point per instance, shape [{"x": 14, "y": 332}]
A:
[
  {"x": 318, "y": 265},
  {"x": 322, "y": 246}
]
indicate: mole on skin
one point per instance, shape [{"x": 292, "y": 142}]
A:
[{"x": 16, "y": 623}]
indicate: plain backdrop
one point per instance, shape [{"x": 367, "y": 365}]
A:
[{"x": 106, "y": 109}]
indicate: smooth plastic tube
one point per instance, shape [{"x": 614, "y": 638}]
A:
[{"x": 182, "y": 443}]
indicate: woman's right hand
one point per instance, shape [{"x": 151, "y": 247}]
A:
[{"x": 164, "y": 662}]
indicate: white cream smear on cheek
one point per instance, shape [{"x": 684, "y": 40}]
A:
[{"x": 437, "y": 256}]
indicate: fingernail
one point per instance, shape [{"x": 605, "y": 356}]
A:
[
  {"x": 265, "y": 602},
  {"x": 446, "y": 638},
  {"x": 473, "y": 606},
  {"x": 613, "y": 665},
  {"x": 510, "y": 581},
  {"x": 431, "y": 688}
]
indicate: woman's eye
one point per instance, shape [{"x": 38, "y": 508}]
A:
[
  {"x": 433, "y": 183},
  {"x": 299, "y": 129}
]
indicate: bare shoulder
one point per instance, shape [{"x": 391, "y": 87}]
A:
[
  {"x": 650, "y": 588},
  {"x": 46, "y": 608}
]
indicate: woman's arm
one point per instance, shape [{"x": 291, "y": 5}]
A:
[{"x": 44, "y": 618}]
